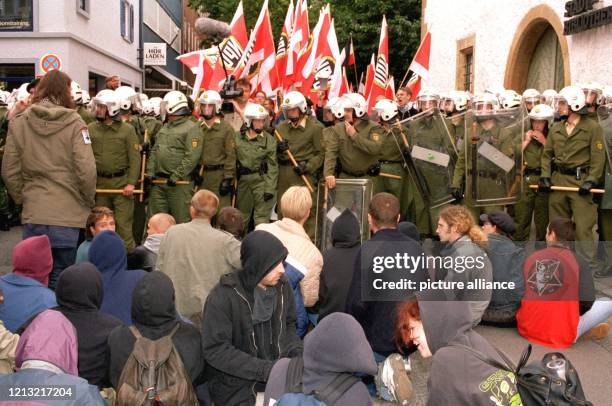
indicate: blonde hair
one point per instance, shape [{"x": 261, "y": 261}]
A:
[
  {"x": 205, "y": 203},
  {"x": 296, "y": 203},
  {"x": 461, "y": 217}
]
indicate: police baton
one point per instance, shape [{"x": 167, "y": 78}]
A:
[
  {"x": 234, "y": 193},
  {"x": 294, "y": 163},
  {"x": 143, "y": 164},
  {"x": 119, "y": 191},
  {"x": 165, "y": 182},
  {"x": 570, "y": 189}
]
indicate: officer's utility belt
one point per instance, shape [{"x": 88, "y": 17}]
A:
[
  {"x": 532, "y": 171},
  {"x": 213, "y": 167},
  {"x": 373, "y": 170},
  {"x": 485, "y": 174},
  {"x": 576, "y": 171},
  {"x": 109, "y": 175},
  {"x": 162, "y": 175},
  {"x": 262, "y": 170},
  {"x": 391, "y": 162}
]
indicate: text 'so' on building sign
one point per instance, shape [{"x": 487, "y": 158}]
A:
[
  {"x": 49, "y": 62},
  {"x": 582, "y": 16},
  {"x": 155, "y": 53}
]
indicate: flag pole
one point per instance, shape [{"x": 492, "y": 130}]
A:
[{"x": 413, "y": 58}]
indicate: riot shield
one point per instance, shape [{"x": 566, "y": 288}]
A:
[
  {"x": 604, "y": 114},
  {"x": 493, "y": 157},
  {"x": 434, "y": 155},
  {"x": 456, "y": 128},
  {"x": 352, "y": 194}
]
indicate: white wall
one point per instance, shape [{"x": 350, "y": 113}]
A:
[{"x": 494, "y": 22}]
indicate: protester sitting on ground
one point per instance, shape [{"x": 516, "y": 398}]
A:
[
  {"x": 47, "y": 357},
  {"x": 437, "y": 327},
  {"x": 559, "y": 303},
  {"x": 336, "y": 347},
  {"x": 295, "y": 205},
  {"x": 507, "y": 260},
  {"x": 231, "y": 220},
  {"x": 464, "y": 239},
  {"x": 107, "y": 253},
  {"x": 154, "y": 314},
  {"x": 338, "y": 264},
  {"x": 8, "y": 345},
  {"x": 249, "y": 322},
  {"x": 25, "y": 289},
  {"x": 294, "y": 272},
  {"x": 194, "y": 255},
  {"x": 79, "y": 296},
  {"x": 145, "y": 256},
  {"x": 100, "y": 219}
]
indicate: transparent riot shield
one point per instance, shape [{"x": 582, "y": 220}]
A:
[
  {"x": 604, "y": 114},
  {"x": 352, "y": 194},
  {"x": 434, "y": 155},
  {"x": 456, "y": 128},
  {"x": 493, "y": 157}
]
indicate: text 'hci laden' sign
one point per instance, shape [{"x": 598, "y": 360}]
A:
[
  {"x": 155, "y": 53},
  {"x": 582, "y": 17}
]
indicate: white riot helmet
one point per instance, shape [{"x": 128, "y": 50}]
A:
[
  {"x": 427, "y": 98},
  {"x": 460, "y": 99},
  {"x": 356, "y": 102},
  {"x": 294, "y": 99},
  {"x": 174, "y": 104},
  {"x": 485, "y": 105},
  {"x": 254, "y": 111},
  {"x": 21, "y": 93},
  {"x": 594, "y": 91},
  {"x": 156, "y": 103},
  {"x": 211, "y": 97},
  {"x": 86, "y": 97},
  {"x": 607, "y": 94},
  {"x": 76, "y": 92},
  {"x": 542, "y": 112},
  {"x": 573, "y": 96},
  {"x": 128, "y": 98},
  {"x": 495, "y": 90},
  {"x": 510, "y": 99},
  {"x": 336, "y": 106},
  {"x": 386, "y": 109},
  {"x": 531, "y": 97},
  {"x": 108, "y": 98},
  {"x": 147, "y": 108},
  {"x": 548, "y": 96},
  {"x": 4, "y": 97}
]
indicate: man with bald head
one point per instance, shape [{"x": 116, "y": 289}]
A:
[
  {"x": 195, "y": 255},
  {"x": 145, "y": 256}
]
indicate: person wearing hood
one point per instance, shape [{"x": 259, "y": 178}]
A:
[
  {"x": 49, "y": 167},
  {"x": 336, "y": 346},
  {"x": 107, "y": 253},
  {"x": 8, "y": 345},
  {"x": 338, "y": 262},
  {"x": 155, "y": 316},
  {"x": 25, "y": 289},
  {"x": 410, "y": 230},
  {"x": 249, "y": 322},
  {"x": 145, "y": 256},
  {"x": 47, "y": 356},
  {"x": 438, "y": 327},
  {"x": 79, "y": 296}
]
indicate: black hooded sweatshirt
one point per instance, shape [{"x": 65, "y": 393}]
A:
[
  {"x": 154, "y": 315},
  {"x": 240, "y": 355},
  {"x": 338, "y": 264},
  {"x": 458, "y": 377},
  {"x": 79, "y": 295}
]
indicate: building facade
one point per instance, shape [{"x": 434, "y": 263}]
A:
[
  {"x": 93, "y": 39},
  {"x": 542, "y": 44}
]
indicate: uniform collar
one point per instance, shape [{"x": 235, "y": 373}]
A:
[
  {"x": 215, "y": 123},
  {"x": 301, "y": 124},
  {"x": 178, "y": 122},
  {"x": 113, "y": 126}
]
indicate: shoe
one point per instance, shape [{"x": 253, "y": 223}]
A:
[
  {"x": 598, "y": 332},
  {"x": 394, "y": 377},
  {"x": 4, "y": 223},
  {"x": 603, "y": 273}
]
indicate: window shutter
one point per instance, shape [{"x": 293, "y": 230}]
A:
[
  {"x": 122, "y": 17},
  {"x": 131, "y": 23}
]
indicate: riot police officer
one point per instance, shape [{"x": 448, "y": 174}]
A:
[{"x": 77, "y": 96}]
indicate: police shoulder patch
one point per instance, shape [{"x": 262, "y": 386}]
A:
[
  {"x": 599, "y": 146},
  {"x": 137, "y": 147},
  {"x": 194, "y": 143},
  {"x": 375, "y": 136},
  {"x": 86, "y": 138}
]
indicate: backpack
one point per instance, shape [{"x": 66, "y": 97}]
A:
[
  {"x": 154, "y": 374},
  {"x": 325, "y": 396},
  {"x": 540, "y": 383}
]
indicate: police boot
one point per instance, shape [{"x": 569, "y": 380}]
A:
[{"x": 4, "y": 223}]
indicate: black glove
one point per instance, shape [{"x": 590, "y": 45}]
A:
[
  {"x": 171, "y": 182},
  {"x": 301, "y": 168},
  {"x": 544, "y": 185},
  {"x": 226, "y": 187},
  {"x": 406, "y": 152},
  {"x": 267, "y": 196},
  {"x": 282, "y": 146},
  {"x": 147, "y": 182},
  {"x": 145, "y": 148},
  {"x": 585, "y": 188},
  {"x": 197, "y": 178},
  {"x": 456, "y": 192},
  {"x": 374, "y": 170}
]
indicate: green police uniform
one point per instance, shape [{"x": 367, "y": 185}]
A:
[
  {"x": 456, "y": 127},
  {"x": 116, "y": 150},
  {"x": 152, "y": 125},
  {"x": 218, "y": 160},
  {"x": 305, "y": 141},
  {"x": 140, "y": 207},
  {"x": 86, "y": 114},
  {"x": 579, "y": 156},
  {"x": 391, "y": 163},
  {"x": 174, "y": 156},
  {"x": 491, "y": 182},
  {"x": 531, "y": 204},
  {"x": 605, "y": 207},
  {"x": 257, "y": 171}
]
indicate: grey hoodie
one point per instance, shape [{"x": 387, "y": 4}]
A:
[
  {"x": 457, "y": 377},
  {"x": 337, "y": 345}
]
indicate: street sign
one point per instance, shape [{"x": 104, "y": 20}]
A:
[
  {"x": 155, "y": 53},
  {"x": 50, "y": 62}
]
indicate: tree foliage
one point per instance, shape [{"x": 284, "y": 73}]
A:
[{"x": 359, "y": 18}]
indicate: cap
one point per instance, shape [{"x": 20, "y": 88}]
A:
[
  {"x": 501, "y": 220},
  {"x": 32, "y": 84}
]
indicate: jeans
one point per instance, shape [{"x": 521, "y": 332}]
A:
[
  {"x": 599, "y": 312},
  {"x": 62, "y": 259}
]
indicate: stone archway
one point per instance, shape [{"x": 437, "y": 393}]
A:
[{"x": 535, "y": 31}]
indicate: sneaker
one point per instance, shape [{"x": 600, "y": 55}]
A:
[
  {"x": 603, "y": 273},
  {"x": 394, "y": 376},
  {"x": 598, "y": 332}
]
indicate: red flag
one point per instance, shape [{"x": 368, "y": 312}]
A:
[
  {"x": 298, "y": 40},
  {"x": 369, "y": 76},
  {"x": 321, "y": 56},
  {"x": 233, "y": 47},
  {"x": 351, "y": 56},
  {"x": 390, "y": 89},
  {"x": 381, "y": 73},
  {"x": 345, "y": 87},
  {"x": 260, "y": 67},
  {"x": 282, "y": 50},
  {"x": 420, "y": 66},
  {"x": 202, "y": 65}
]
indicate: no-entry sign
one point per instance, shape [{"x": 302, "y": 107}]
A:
[{"x": 50, "y": 62}]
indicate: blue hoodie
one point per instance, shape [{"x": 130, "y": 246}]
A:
[{"x": 108, "y": 254}]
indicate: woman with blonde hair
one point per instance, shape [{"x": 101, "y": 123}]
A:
[{"x": 464, "y": 259}]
